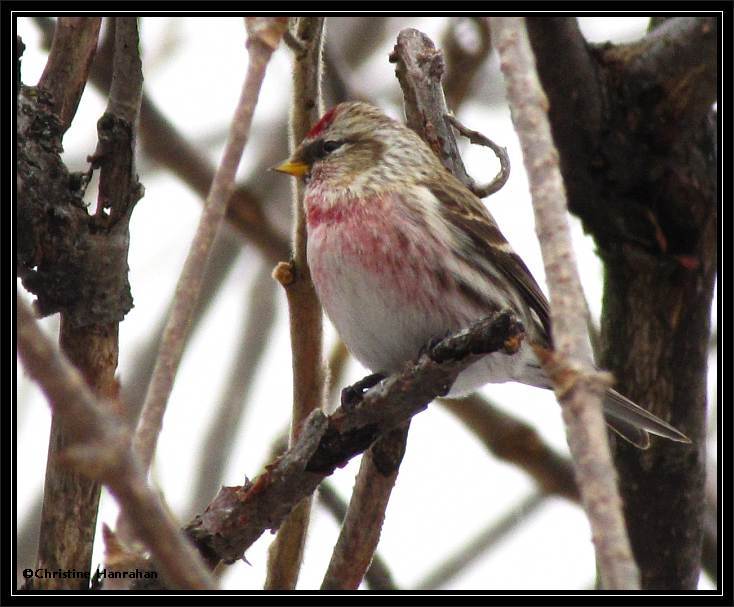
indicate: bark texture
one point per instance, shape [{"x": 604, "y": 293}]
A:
[{"x": 637, "y": 138}]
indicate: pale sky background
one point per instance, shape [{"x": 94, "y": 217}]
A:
[{"x": 448, "y": 488}]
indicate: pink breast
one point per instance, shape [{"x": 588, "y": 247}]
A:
[{"x": 370, "y": 237}]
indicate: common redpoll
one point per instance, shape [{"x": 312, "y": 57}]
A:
[{"x": 401, "y": 253}]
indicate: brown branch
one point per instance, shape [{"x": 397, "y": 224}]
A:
[
  {"x": 578, "y": 387},
  {"x": 220, "y": 437},
  {"x": 92, "y": 252},
  {"x": 304, "y": 309},
  {"x": 239, "y": 515},
  {"x": 677, "y": 61},
  {"x": 166, "y": 145},
  {"x": 67, "y": 68},
  {"x": 99, "y": 445},
  {"x": 263, "y": 38},
  {"x": 378, "y": 576},
  {"x": 645, "y": 187},
  {"x": 360, "y": 532},
  {"x": 419, "y": 69}
]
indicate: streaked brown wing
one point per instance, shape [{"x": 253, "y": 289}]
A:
[{"x": 467, "y": 213}]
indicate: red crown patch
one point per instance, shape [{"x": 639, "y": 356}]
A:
[{"x": 322, "y": 124}]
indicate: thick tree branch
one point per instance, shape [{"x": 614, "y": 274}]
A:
[
  {"x": 99, "y": 445},
  {"x": 304, "y": 309},
  {"x": 166, "y": 145},
  {"x": 645, "y": 186},
  {"x": 239, "y": 515},
  {"x": 676, "y": 64},
  {"x": 81, "y": 270},
  {"x": 578, "y": 387}
]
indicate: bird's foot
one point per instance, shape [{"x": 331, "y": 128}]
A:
[{"x": 352, "y": 395}]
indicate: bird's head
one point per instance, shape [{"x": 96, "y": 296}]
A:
[{"x": 354, "y": 142}]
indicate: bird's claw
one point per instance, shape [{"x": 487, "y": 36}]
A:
[{"x": 352, "y": 395}]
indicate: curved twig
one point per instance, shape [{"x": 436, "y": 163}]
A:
[{"x": 477, "y": 138}]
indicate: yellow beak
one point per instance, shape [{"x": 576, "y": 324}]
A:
[{"x": 297, "y": 169}]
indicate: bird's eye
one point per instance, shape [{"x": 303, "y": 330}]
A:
[{"x": 330, "y": 146}]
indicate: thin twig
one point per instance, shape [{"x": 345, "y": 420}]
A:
[
  {"x": 65, "y": 74},
  {"x": 304, "y": 309},
  {"x": 239, "y": 515},
  {"x": 260, "y": 46},
  {"x": 220, "y": 438},
  {"x": 579, "y": 387},
  {"x": 99, "y": 445},
  {"x": 477, "y": 138},
  {"x": 481, "y": 543}
]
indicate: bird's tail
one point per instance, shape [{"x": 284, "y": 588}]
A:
[{"x": 633, "y": 423}]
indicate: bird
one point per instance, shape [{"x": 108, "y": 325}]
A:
[{"x": 401, "y": 253}]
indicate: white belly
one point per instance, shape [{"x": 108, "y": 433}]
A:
[{"x": 385, "y": 310}]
